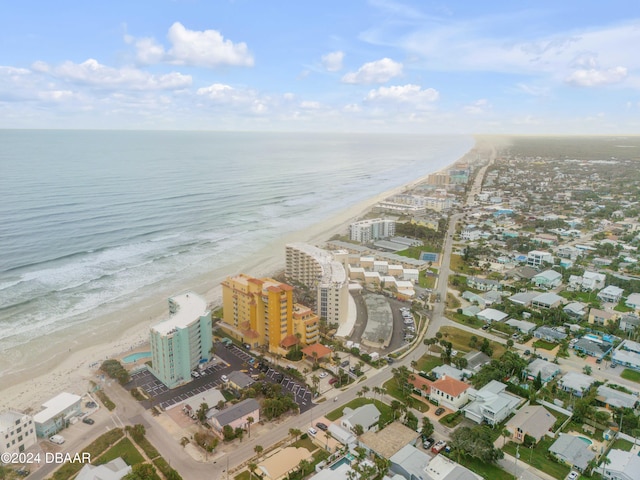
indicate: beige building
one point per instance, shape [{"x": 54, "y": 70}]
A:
[{"x": 17, "y": 432}]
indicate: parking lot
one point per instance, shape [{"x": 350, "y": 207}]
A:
[{"x": 231, "y": 358}]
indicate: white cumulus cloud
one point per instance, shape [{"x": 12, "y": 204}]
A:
[
  {"x": 200, "y": 48},
  {"x": 92, "y": 72},
  {"x": 594, "y": 77},
  {"x": 310, "y": 105},
  {"x": 333, "y": 61},
  {"x": 478, "y": 107},
  {"x": 379, "y": 71},
  {"x": 404, "y": 93}
]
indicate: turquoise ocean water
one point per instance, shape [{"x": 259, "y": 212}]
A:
[{"x": 91, "y": 219}]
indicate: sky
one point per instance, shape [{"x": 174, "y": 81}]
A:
[{"x": 420, "y": 66}]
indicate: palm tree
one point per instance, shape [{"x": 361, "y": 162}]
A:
[
  {"x": 258, "y": 449},
  {"x": 252, "y": 468},
  {"x": 294, "y": 432},
  {"x": 250, "y": 420},
  {"x": 365, "y": 390},
  {"x": 304, "y": 465}
]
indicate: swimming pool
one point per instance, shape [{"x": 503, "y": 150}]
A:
[
  {"x": 134, "y": 357},
  {"x": 348, "y": 458},
  {"x": 585, "y": 440}
]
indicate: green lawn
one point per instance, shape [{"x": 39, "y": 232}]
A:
[
  {"x": 621, "y": 444},
  {"x": 472, "y": 322},
  {"x": 485, "y": 470},
  {"x": 305, "y": 443},
  {"x": 392, "y": 388},
  {"x": 460, "y": 340},
  {"x": 629, "y": 374},
  {"x": 621, "y": 307},
  {"x": 544, "y": 344},
  {"x": 452, "y": 420},
  {"x": 125, "y": 449},
  {"x": 426, "y": 363},
  {"x": 538, "y": 457},
  {"x": 426, "y": 281},
  {"x": 386, "y": 413}
]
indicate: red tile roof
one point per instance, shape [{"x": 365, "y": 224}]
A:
[{"x": 450, "y": 385}]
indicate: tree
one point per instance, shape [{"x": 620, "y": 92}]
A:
[
  {"x": 509, "y": 343},
  {"x": 411, "y": 421},
  {"x": 537, "y": 382},
  {"x": 587, "y": 370},
  {"x": 295, "y": 432},
  {"x": 358, "y": 429},
  {"x": 473, "y": 341},
  {"x": 258, "y": 449},
  {"x": 202, "y": 412},
  {"x": 365, "y": 390},
  {"x": 252, "y": 468},
  {"x": 137, "y": 432},
  {"x": 250, "y": 420},
  {"x": 142, "y": 471},
  {"x": 427, "y": 427},
  {"x": 474, "y": 442}
]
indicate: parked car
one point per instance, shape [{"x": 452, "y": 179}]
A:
[
  {"x": 88, "y": 421},
  {"x": 345, "y": 363},
  {"x": 247, "y": 346},
  {"x": 312, "y": 431},
  {"x": 58, "y": 439},
  {"x": 323, "y": 374},
  {"x": 527, "y": 352},
  {"x": 573, "y": 475},
  {"x": 322, "y": 426},
  {"x": 224, "y": 378},
  {"x": 439, "y": 411},
  {"x": 333, "y": 380},
  {"x": 439, "y": 446},
  {"x": 426, "y": 443}
]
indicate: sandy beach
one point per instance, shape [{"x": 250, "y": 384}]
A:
[{"x": 69, "y": 360}]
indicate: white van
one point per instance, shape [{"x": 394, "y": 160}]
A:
[{"x": 59, "y": 439}]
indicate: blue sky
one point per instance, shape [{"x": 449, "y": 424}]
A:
[{"x": 351, "y": 65}]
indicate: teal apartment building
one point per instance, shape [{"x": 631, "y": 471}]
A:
[{"x": 180, "y": 343}]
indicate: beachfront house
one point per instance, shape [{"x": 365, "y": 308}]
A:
[
  {"x": 491, "y": 404},
  {"x": 547, "y": 300},
  {"x": 57, "y": 413},
  {"x": 573, "y": 451},
  {"x": 537, "y": 258},
  {"x": 610, "y": 294},
  {"x": 547, "y": 279}
]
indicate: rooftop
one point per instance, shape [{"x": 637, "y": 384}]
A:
[
  {"x": 56, "y": 406},
  {"x": 189, "y": 308}
]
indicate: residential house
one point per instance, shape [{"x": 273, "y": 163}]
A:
[
  {"x": 522, "y": 273},
  {"x": 448, "y": 371},
  {"x": 627, "y": 354},
  {"x": 471, "y": 310},
  {"x": 575, "y": 310},
  {"x": 476, "y": 360},
  {"x": 236, "y": 416},
  {"x": 367, "y": 416},
  {"x": 491, "y": 404},
  {"x": 610, "y": 397},
  {"x": 421, "y": 386},
  {"x": 610, "y": 294},
  {"x": 548, "y": 370},
  {"x": 600, "y": 317},
  {"x": 239, "y": 381},
  {"x": 409, "y": 462},
  {"x": 342, "y": 435},
  {"x": 621, "y": 465},
  {"x": 633, "y": 301},
  {"x": 490, "y": 315},
  {"x": 532, "y": 420},
  {"x": 576, "y": 383},
  {"x": 547, "y": 279},
  {"x": 523, "y": 298},
  {"x": 442, "y": 468},
  {"x": 483, "y": 284},
  {"x": 449, "y": 392},
  {"x": 113, "y": 470},
  {"x": 549, "y": 334},
  {"x": 17, "y": 432},
  {"x": 572, "y": 451},
  {"x": 592, "y": 281},
  {"x": 537, "y": 258},
  {"x": 547, "y": 300},
  {"x": 470, "y": 232},
  {"x": 629, "y": 323},
  {"x": 568, "y": 251},
  {"x": 521, "y": 325},
  {"x": 592, "y": 347}
]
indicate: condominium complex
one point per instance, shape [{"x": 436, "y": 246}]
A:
[
  {"x": 181, "y": 342},
  {"x": 367, "y": 230},
  {"x": 321, "y": 270},
  {"x": 260, "y": 311},
  {"x": 17, "y": 432}
]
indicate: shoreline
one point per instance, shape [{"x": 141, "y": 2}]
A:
[{"x": 73, "y": 360}]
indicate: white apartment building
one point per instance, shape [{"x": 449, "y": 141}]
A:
[
  {"x": 320, "y": 269},
  {"x": 366, "y": 231},
  {"x": 536, "y": 258},
  {"x": 17, "y": 432}
]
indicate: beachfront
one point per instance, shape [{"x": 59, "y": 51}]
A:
[{"x": 70, "y": 365}]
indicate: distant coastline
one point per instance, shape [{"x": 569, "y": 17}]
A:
[{"x": 69, "y": 366}]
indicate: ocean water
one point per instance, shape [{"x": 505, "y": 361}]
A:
[{"x": 90, "y": 220}]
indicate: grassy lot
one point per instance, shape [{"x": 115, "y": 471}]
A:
[
  {"x": 460, "y": 340},
  {"x": 622, "y": 444},
  {"x": 539, "y": 458},
  {"x": 458, "y": 265},
  {"x": 426, "y": 281},
  {"x": 621, "y": 307},
  {"x": 386, "y": 414},
  {"x": 629, "y": 374},
  {"x": 485, "y": 470},
  {"x": 544, "y": 344},
  {"x": 472, "y": 322},
  {"x": 99, "y": 445},
  {"x": 391, "y": 387},
  {"x": 244, "y": 475},
  {"x": 411, "y": 252},
  {"x": 305, "y": 443},
  {"x": 452, "y": 301},
  {"x": 585, "y": 297},
  {"x": 452, "y": 420},
  {"x": 125, "y": 449},
  {"x": 426, "y": 363}
]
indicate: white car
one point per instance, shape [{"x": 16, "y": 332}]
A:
[
  {"x": 323, "y": 374},
  {"x": 312, "y": 431},
  {"x": 224, "y": 378},
  {"x": 573, "y": 475}
]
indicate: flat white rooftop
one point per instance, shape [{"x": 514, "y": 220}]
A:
[
  {"x": 332, "y": 270},
  {"x": 190, "y": 308},
  {"x": 55, "y": 406}
]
